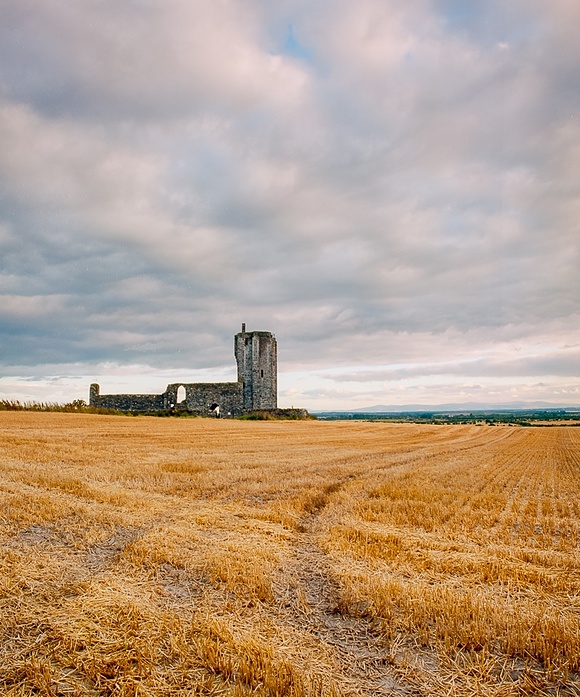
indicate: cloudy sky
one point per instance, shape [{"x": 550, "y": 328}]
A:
[{"x": 392, "y": 188}]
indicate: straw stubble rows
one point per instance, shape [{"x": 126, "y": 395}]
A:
[{"x": 145, "y": 556}]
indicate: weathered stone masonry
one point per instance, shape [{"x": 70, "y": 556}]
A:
[{"x": 255, "y": 389}]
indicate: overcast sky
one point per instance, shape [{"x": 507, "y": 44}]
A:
[{"x": 392, "y": 188}]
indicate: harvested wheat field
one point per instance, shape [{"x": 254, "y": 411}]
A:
[{"x": 145, "y": 556}]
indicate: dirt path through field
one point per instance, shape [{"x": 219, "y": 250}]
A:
[
  {"x": 308, "y": 597},
  {"x": 308, "y": 593}
]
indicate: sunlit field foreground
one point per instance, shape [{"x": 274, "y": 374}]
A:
[{"x": 145, "y": 556}]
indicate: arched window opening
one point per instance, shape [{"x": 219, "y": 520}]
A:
[{"x": 181, "y": 394}]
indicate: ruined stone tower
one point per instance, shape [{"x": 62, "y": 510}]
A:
[
  {"x": 255, "y": 389},
  {"x": 256, "y": 356}
]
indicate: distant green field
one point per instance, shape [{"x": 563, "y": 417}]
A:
[{"x": 516, "y": 417}]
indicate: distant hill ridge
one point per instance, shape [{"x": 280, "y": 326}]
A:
[{"x": 466, "y": 406}]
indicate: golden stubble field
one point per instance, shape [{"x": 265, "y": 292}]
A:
[{"x": 145, "y": 556}]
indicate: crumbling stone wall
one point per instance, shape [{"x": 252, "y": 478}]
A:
[
  {"x": 126, "y": 402},
  {"x": 202, "y": 397}
]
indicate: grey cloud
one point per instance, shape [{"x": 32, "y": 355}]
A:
[
  {"x": 135, "y": 60},
  {"x": 564, "y": 364},
  {"x": 169, "y": 166}
]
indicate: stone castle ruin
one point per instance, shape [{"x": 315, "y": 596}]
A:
[{"x": 255, "y": 389}]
